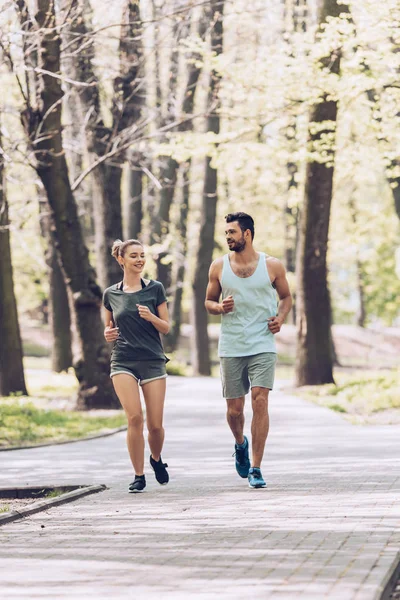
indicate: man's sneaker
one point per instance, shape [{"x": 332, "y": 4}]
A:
[
  {"x": 160, "y": 470},
  {"x": 138, "y": 484},
  {"x": 242, "y": 461},
  {"x": 256, "y": 479}
]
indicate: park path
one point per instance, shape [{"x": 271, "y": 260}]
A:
[{"x": 327, "y": 526}]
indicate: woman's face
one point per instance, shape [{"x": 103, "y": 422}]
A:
[{"x": 134, "y": 258}]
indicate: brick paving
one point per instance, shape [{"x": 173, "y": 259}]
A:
[{"x": 327, "y": 526}]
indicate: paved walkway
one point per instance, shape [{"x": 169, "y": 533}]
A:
[{"x": 328, "y": 525}]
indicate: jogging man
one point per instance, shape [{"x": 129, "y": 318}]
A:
[{"x": 250, "y": 316}]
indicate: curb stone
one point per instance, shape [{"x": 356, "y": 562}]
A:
[
  {"x": 46, "y": 504},
  {"x": 96, "y": 436},
  {"x": 390, "y": 580}
]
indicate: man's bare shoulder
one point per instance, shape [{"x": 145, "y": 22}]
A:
[
  {"x": 275, "y": 263},
  {"x": 216, "y": 266},
  {"x": 276, "y": 270}
]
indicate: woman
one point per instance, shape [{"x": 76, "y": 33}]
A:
[{"x": 135, "y": 314}]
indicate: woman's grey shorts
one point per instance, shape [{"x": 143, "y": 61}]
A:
[
  {"x": 239, "y": 373},
  {"x": 143, "y": 371}
]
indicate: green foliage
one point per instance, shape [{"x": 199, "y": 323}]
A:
[
  {"x": 382, "y": 286},
  {"x": 337, "y": 408},
  {"x": 4, "y": 509},
  {"x": 35, "y": 350},
  {"x": 26, "y": 424},
  {"x": 51, "y": 385},
  {"x": 54, "y": 494},
  {"x": 176, "y": 367},
  {"x": 361, "y": 396},
  {"x": 271, "y": 77}
]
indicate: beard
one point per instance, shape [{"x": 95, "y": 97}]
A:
[{"x": 238, "y": 246}]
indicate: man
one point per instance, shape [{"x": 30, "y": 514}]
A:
[{"x": 248, "y": 281}]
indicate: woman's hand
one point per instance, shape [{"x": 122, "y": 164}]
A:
[
  {"x": 111, "y": 333},
  {"x": 145, "y": 313}
]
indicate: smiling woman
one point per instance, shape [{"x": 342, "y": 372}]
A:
[{"x": 135, "y": 314}]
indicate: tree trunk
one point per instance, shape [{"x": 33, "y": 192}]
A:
[
  {"x": 126, "y": 111},
  {"x": 393, "y": 163},
  {"x": 12, "y": 380},
  {"x": 59, "y": 315},
  {"x": 314, "y": 363},
  {"x": 43, "y": 127},
  {"x": 171, "y": 340},
  {"x": 361, "y": 312},
  {"x": 201, "y": 353},
  {"x": 74, "y": 143},
  {"x": 295, "y": 14},
  {"x": 178, "y": 275},
  {"x": 161, "y": 224},
  {"x": 134, "y": 204},
  {"x": 168, "y": 166}
]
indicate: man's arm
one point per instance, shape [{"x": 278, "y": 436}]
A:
[
  {"x": 213, "y": 292},
  {"x": 285, "y": 298}
]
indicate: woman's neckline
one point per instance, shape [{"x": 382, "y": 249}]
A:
[{"x": 145, "y": 283}]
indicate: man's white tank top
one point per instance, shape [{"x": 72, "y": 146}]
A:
[{"x": 245, "y": 331}]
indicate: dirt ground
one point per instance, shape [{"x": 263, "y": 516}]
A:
[{"x": 11, "y": 504}]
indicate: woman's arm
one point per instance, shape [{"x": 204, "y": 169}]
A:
[
  {"x": 160, "y": 322},
  {"x": 110, "y": 332}
]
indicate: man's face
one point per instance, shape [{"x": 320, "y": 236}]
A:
[{"x": 235, "y": 237}]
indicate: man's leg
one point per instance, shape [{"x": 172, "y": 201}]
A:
[
  {"x": 235, "y": 417},
  {"x": 260, "y": 423}
]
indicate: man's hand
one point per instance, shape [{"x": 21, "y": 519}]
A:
[
  {"x": 111, "y": 333},
  {"x": 275, "y": 324},
  {"x": 145, "y": 313},
  {"x": 227, "y": 305}
]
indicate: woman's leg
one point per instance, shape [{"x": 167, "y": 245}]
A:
[
  {"x": 154, "y": 395},
  {"x": 127, "y": 390}
]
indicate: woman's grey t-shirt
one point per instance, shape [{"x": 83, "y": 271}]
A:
[{"x": 138, "y": 339}]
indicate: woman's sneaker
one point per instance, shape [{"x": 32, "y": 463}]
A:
[
  {"x": 256, "y": 479},
  {"x": 160, "y": 470},
  {"x": 138, "y": 484},
  {"x": 242, "y": 461}
]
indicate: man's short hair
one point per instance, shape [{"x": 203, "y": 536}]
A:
[{"x": 245, "y": 221}]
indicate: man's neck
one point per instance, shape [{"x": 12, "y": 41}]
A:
[{"x": 247, "y": 255}]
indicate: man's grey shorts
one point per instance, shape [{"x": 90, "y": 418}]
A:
[{"x": 239, "y": 373}]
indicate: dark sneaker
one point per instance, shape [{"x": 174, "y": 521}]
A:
[
  {"x": 160, "y": 470},
  {"x": 242, "y": 461},
  {"x": 256, "y": 479},
  {"x": 138, "y": 484}
]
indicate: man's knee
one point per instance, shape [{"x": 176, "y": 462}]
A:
[
  {"x": 259, "y": 398},
  {"x": 235, "y": 408}
]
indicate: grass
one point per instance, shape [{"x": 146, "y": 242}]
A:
[
  {"x": 35, "y": 350},
  {"x": 44, "y": 383},
  {"x": 26, "y": 420},
  {"x": 22, "y": 424},
  {"x": 362, "y": 396},
  {"x": 54, "y": 494},
  {"x": 4, "y": 509}
]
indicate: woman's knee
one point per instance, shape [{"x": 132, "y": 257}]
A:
[
  {"x": 155, "y": 429},
  {"x": 135, "y": 421}
]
